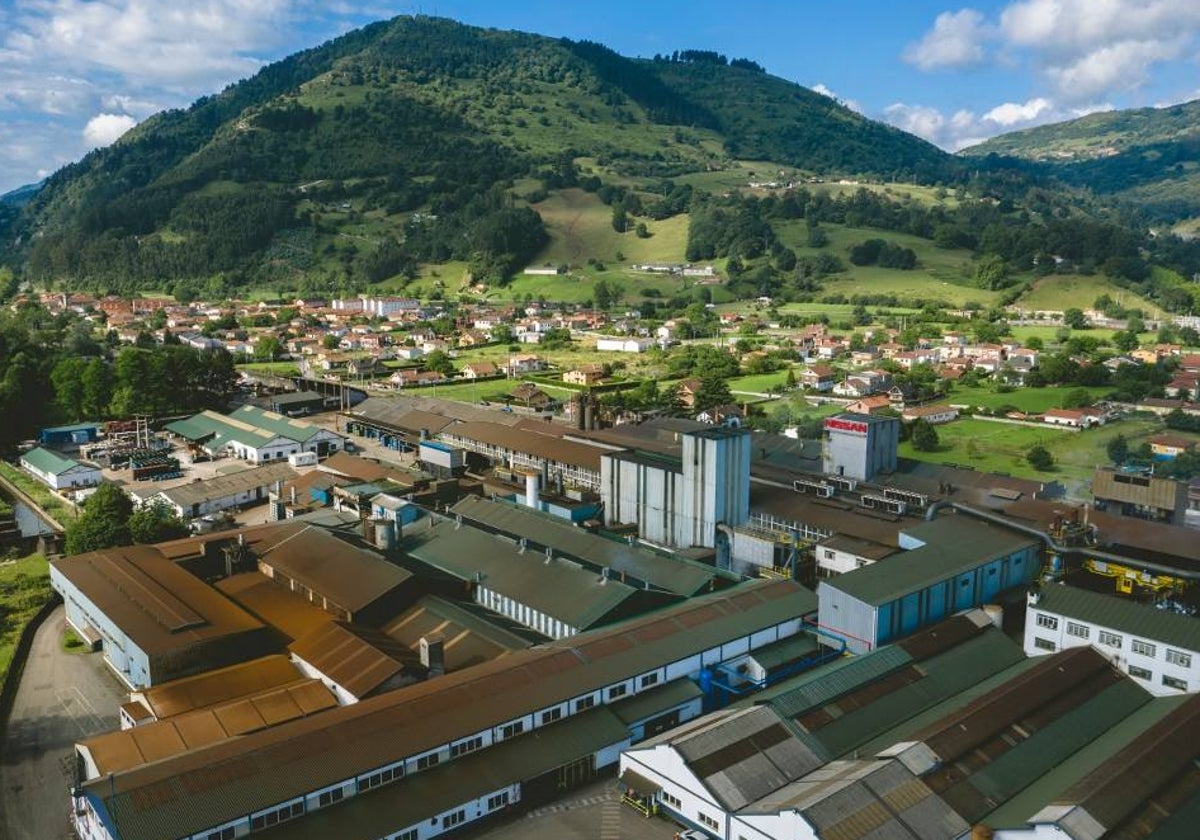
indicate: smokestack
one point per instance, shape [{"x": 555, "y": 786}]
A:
[{"x": 433, "y": 655}]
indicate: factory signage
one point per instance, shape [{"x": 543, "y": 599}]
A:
[{"x": 833, "y": 423}]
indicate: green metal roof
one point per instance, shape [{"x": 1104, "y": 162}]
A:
[
  {"x": 49, "y": 462},
  {"x": 953, "y": 545},
  {"x": 788, "y": 650},
  {"x": 277, "y": 424},
  {"x": 820, "y": 685},
  {"x": 1122, "y": 615},
  {"x": 216, "y": 430}
]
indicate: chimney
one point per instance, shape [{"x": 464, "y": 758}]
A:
[
  {"x": 531, "y": 489},
  {"x": 433, "y": 656}
]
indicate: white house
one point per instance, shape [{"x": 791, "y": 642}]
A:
[
  {"x": 624, "y": 345},
  {"x": 58, "y": 471},
  {"x": 1160, "y": 649}
]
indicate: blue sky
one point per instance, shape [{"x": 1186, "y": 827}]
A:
[{"x": 75, "y": 74}]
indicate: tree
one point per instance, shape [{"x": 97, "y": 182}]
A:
[
  {"x": 1039, "y": 458},
  {"x": 790, "y": 380},
  {"x": 713, "y": 391},
  {"x": 991, "y": 273},
  {"x": 1125, "y": 341},
  {"x": 104, "y": 522},
  {"x": 155, "y": 523},
  {"x": 1035, "y": 343},
  {"x": 1074, "y": 318},
  {"x": 330, "y": 341},
  {"x": 1076, "y": 398},
  {"x": 439, "y": 362},
  {"x": 924, "y": 436},
  {"x": 1118, "y": 449},
  {"x": 267, "y": 347}
]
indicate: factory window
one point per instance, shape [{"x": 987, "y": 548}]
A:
[
  {"x": 1140, "y": 673},
  {"x": 1140, "y": 647},
  {"x": 497, "y": 801},
  {"x": 457, "y": 818},
  {"x": 585, "y": 703},
  {"x": 828, "y": 554},
  {"x": 1044, "y": 644},
  {"x": 649, "y": 680},
  {"x": 673, "y": 801},
  {"x": 709, "y": 822},
  {"x": 469, "y": 745},
  {"x": 1174, "y": 682},
  {"x": 381, "y": 778},
  {"x": 1110, "y": 639},
  {"x": 513, "y": 729},
  {"x": 330, "y": 796},
  {"x": 1178, "y": 657},
  {"x": 617, "y": 691},
  {"x": 225, "y": 833},
  {"x": 427, "y": 761},
  {"x": 1079, "y": 631},
  {"x": 287, "y": 812},
  {"x": 551, "y": 715},
  {"x": 1047, "y": 621},
  {"x": 410, "y": 834}
]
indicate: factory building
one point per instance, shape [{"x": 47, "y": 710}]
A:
[
  {"x": 255, "y": 435},
  {"x": 951, "y": 564},
  {"x": 1140, "y": 495},
  {"x": 680, "y": 502},
  {"x": 59, "y": 472},
  {"x": 569, "y": 463},
  {"x": 152, "y": 620},
  {"x": 1161, "y": 650},
  {"x": 516, "y": 729},
  {"x": 948, "y": 734},
  {"x": 200, "y": 498},
  {"x": 860, "y": 445}
]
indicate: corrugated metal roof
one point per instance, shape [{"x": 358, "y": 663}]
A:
[
  {"x": 190, "y": 693},
  {"x": 546, "y": 446},
  {"x": 207, "y": 787},
  {"x": 656, "y": 701},
  {"x": 558, "y": 588},
  {"x": 818, "y": 687},
  {"x": 786, "y": 651},
  {"x": 1122, "y": 615},
  {"x": 276, "y": 424},
  {"x": 677, "y": 576},
  {"x": 953, "y": 545},
  {"x": 50, "y": 462},
  {"x": 231, "y": 484},
  {"x": 358, "y": 659},
  {"x": 471, "y": 634}
]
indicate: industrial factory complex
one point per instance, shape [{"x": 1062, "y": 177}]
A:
[{"x": 755, "y": 637}]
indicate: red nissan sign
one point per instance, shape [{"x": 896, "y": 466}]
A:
[{"x": 857, "y": 428}]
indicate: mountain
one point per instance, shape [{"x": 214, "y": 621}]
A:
[
  {"x": 421, "y": 140},
  {"x": 21, "y": 195},
  {"x": 1148, "y": 157}
]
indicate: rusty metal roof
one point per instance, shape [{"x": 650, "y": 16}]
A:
[
  {"x": 285, "y": 610},
  {"x": 208, "y": 786},
  {"x": 158, "y": 606},
  {"x": 470, "y": 638},
  {"x": 357, "y": 658},
  {"x": 196, "y": 692}
]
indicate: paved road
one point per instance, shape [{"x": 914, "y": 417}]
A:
[
  {"x": 63, "y": 698},
  {"x": 594, "y": 812}
]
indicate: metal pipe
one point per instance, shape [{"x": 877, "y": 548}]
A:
[{"x": 996, "y": 519}]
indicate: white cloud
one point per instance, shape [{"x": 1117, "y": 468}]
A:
[
  {"x": 106, "y": 129},
  {"x": 1113, "y": 68},
  {"x": 956, "y": 40},
  {"x": 852, "y": 104},
  {"x": 965, "y": 128}
]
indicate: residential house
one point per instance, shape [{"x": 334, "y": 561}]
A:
[
  {"x": 532, "y": 396},
  {"x": 1077, "y": 418},
  {"x": 1168, "y": 447},
  {"x": 723, "y": 415},
  {"x": 479, "y": 370},
  {"x": 364, "y": 366},
  {"x": 901, "y": 395},
  {"x": 1184, "y": 384},
  {"x": 819, "y": 378},
  {"x": 870, "y": 405},
  {"x": 414, "y": 378},
  {"x": 909, "y": 359},
  {"x": 932, "y": 414},
  {"x": 624, "y": 345},
  {"x": 407, "y": 353},
  {"x": 588, "y": 374},
  {"x": 524, "y": 363},
  {"x": 688, "y": 388}
]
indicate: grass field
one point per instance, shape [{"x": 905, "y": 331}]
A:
[
  {"x": 1031, "y": 400},
  {"x": 759, "y": 383},
  {"x": 580, "y": 227},
  {"x": 942, "y": 275},
  {"x": 1001, "y": 447},
  {"x": 24, "y": 589},
  {"x": 1062, "y": 292},
  {"x": 37, "y": 491},
  {"x": 273, "y": 368}
]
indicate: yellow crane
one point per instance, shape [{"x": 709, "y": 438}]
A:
[{"x": 1129, "y": 578}]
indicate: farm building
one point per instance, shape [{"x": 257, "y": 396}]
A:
[
  {"x": 952, "y": 564},
  {"x": 152, "y": 620},
  {"x": 1076, "y": 418},
  {"x": 623, "y": 345},
  {"x": 932, "y": 414},
  {"x": 1159, "y": 649},
  {"x": 59, "y": 472}
]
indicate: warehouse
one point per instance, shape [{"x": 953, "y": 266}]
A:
[
  {"x": 635, "y": 565},
  {"x": 1140, "y": 495},
  {"x": 282, "y": 773},
  {"x": 153, "y": 620},
  {"x": 69, "y": 437},
  {"x": 538, "y": 589},
  {"x": 246, "y": 487},
  {"x": 1159, "y": 649},
  {"x": 1017, "y": 749},
  {"x": 568, "y": 462},
  {"x": 255, "y": 435},
  {"x": 952, "y": 563},
  {"x": 59, "y": 472},
  {"x": 297, "y": 403}
]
